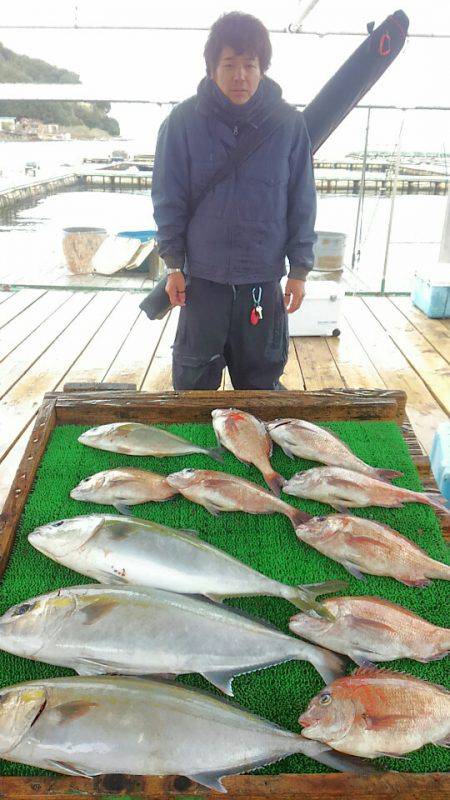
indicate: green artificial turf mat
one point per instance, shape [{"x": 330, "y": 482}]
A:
[{"x": 267, "y": 543}]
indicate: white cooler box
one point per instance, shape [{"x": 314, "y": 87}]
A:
[{"x": 320, "y": 312}]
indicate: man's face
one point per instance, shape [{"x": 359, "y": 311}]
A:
[{"x": 237, "y": 76}]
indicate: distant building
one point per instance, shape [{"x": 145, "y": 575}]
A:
[{"x": 7, "y": 123}]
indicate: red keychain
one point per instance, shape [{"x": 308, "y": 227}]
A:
[{"x": 256, "y": 312}]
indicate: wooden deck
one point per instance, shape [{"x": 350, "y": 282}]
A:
[{"x": 52, "y": 337}]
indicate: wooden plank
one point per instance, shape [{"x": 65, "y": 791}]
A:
[
  {"x": 24, "y": 356},
  {"x": 98, "y": 407},
  {"x": 383, "y": 786},
  {"x": 19, "y": 328},
  {"x": 10, "y": 464},
  {"x": 317, "y": 364},
  {"x": 17, "y": 303},
  {"x": 292, "y": 377},
  {"x": 93, "y": 362},
  {"x": 18, "y": 494},
  {"x": 434, "y": 331},
  {"x": 133, "y": 360},
  {"x": 22, "y": 401},
  {"x": 352, "y": 361},
  {"x": 422, "y": 409},
  {"x": 5, "y": 295},
  {"x": 424, "y": 359},
  {"x": 159, "y": 376}
]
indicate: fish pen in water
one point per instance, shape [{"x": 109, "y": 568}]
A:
[{"x": 366, "y": 421}]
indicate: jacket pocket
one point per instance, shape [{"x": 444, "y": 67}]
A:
[
  {"x": 277, "y": 347},
  {"x": 262, "y": 191}
]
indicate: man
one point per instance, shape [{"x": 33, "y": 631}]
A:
[{"x": 225, "y": 262}]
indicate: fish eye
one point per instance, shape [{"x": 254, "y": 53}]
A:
[
  {"x": 325, "y": 699},
  {"x": 23, "y": 609},
  {"x": 57, "y": 524},
  {"x": 320, "y": 519}
]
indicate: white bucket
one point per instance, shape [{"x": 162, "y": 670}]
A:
[{"x": 329, "y": 251}]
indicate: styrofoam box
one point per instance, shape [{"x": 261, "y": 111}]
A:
[
  {"x": 440, "y": 458},
  {"x": 431, "y": 290},
  {"x": 321, "y": 310}
]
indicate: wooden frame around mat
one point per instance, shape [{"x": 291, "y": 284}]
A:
[{"x": 100, "y": 406}]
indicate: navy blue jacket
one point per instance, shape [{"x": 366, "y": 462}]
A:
[{"x": 246, "y": 226}]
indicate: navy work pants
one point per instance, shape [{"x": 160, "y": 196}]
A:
[{"x": 214, "y": 331}]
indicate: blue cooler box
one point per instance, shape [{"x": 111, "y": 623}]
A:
[
  {"x": 440, "y": 458},
  {"x": 431, "y": 290}
]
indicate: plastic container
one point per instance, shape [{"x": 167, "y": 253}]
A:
[
  {"x": 440, "y": 458},
  {"x": 143, "y": 236},
  {"x": 329, "y": 251},
  {"x": 321, "y": 310},
  {"x": 431, "y": 290},
  {"x": 80, "y": 245}
]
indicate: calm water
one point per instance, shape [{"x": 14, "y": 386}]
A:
[{"x": 31, "y": 237}]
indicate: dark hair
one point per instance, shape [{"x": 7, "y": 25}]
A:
[{"x": 244, "y": 33}]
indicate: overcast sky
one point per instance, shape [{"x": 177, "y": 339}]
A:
[{"x": 168, "y": 66}]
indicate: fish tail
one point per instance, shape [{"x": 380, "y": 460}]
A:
[
  {"x": 305, "y": 600},
  {"x": 297, "y": 516},
  {"x": 388, "y": 474},
  {"x": 326, "y": 587},
  {"x": 436, "y": 569},
  {"x": 216, "y": 453},
  {"x": 441, "y": 640},
  {"x": 435, "y": 500},
  {"x": 329, "y": 665},
  {"x": 275, "y": 482},
  {"x": 341, "y": 761}
]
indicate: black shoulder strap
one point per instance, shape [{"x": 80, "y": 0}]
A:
[{"x": 243, "y": 150}]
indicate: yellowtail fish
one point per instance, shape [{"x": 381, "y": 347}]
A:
[
  {"x": 343, "y": 489},
  {"x": 137, "y": 630},
  {"x": 137, "y": 439},
  {"x": 219, "y": 491},
  {"x": 246, "y": 437},
  {"x": 377, "y": 712},
  {"x": 371, "y": 629},
  {"x": 123, "y": 487},
  {"x": 123, "y": 550},
  {"x": 303, "y": 439},
  {"x": 362, "y": 545},
  {"x": 99, "y": 726}
]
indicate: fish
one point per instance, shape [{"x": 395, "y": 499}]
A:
[
  {"x": 113, "y": 549},
  {"x": 137, "y": 439},
  {"x": 220, "y": 491},
  {"x": 371, "y": 629},
  {"x": 87, "y": 726},
  {"x": 379, "y": 712},
  {"x": 123, "y": 487},
  {"x": 296, "y": 437},
  {"x": 137, "y": 630},
  {"x": 343, "y": 489},
  {"x": 362, "y": 545},
  {"x": 246, "y": 437}
]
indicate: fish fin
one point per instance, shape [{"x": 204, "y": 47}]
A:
[
  {"x": 97, "y": 609},
  {"x": 275, "y": 482},
  {"x": 69, "y": 769},
  {"x": 363, "y": 622},
  {"x": 299, "y": 517},
  {"x": 215, "y": 598},
  {"x": 339, "y": 507},
  {"x": 420, "y": 583},
  {"x": 437, "y": 501},
  {"x": 346, "y": 763},
  {"x": 213, "y": 509},
  {"x": 443, "y": 742},
  {"x": 353, "y": 570},
  {"x": 391, "y": 755},
  {"x": 326, "y": 587},
  {"x": 216, "y": 453},
  {"x": 222, "y": 680},
  {"x": 212, "y": 780},
  {"x": 69, "y": 711},
  {"x": 360, "y": 658},
  {"x": 109, "y": 577},
  {"x": 388, "y": 475},
  {"x": 189, "y": 532},
  {"x": 87, "y": 666},
  {"x": 122, "y": 508},
  {"x": 287, "y": 451}
]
